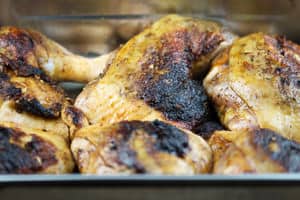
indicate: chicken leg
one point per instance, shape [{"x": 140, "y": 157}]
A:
[
  {"x": 153, "y": 81},
  {"x": 45, "y": 56},
  {"x": 157, "y": 75},
  {"x": 34, "y": 125}
]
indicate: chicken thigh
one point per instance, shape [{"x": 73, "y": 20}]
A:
[
  {"x": 131, "y": 147},
  {"x": 253, "y": 151},
  {"x": 33, "y": 111},
  {"x": 154, "y": 78},
  {"x": 157, "y": 75},
  {"x": 255, "y": 84}
]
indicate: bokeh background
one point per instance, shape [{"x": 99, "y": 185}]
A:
[{"x": 95, "y": 27}]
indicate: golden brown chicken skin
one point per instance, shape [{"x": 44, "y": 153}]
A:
[
  {"x": 153, "y": 75},
  {"x": 31, "y": 101},
  {"x": 27, "y": 151},
  {"x": 255, "y": 84},
  {"x": 255, "y": 151},
  {"x": 29, "y": 53},
  {"x": 131, "y": 147}
]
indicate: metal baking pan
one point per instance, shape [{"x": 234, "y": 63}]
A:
[
  {"x": 277, "y": 186},
  {"x": 58, "y": 25}
]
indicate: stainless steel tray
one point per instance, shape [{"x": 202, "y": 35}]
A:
[
  {"x": 276, "y": 186},
  {"x": 151, "y": 179},
  {"x": 75, "y": 186}
]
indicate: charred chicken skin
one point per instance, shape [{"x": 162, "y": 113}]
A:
[
  {"x": 255, "y": 84},
  {"x": 131, "y": 147},
  {"x": 154, "y": 75},
  {"x": 254, "y": 151},
  {"x": 136, "y": 117},
  {"x": 25, "y": 150},
  {"x": 34, "y": 127},
  {"x": 46, "y": 57}
]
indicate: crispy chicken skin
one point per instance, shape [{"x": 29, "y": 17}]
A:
[
  {"x": 131, "y": 147},
  {"x": 255, "y": 84},
  {"x": 32, "y": 108},
  {"x": 153, "y": 75},
  {"x": 45, "y": 57},
  {"x": 253, "y": 151}
]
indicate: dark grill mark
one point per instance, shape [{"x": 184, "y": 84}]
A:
[
  {"x": 15, "y": 159},
  {"x": 168, "y": 86},
  {"x": 33, "y": 106},
  {"x": 287, "y": 152}
]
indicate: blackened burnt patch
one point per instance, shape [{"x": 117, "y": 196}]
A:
[
  {"x": 126, "y": 155},
  {"x": 34, "y": 107},
  {"x": 22, "y": 68},
  {"x": 35, "y": 156},
  {"x": 17, "y": 44},
  {"x": 16, "y": 57},
  {"x": 166, "y": 83},
  {"x": 159, "y": 136},
  {"x": 178, "y": 99},
  {"x": 279, "y": 149},
  {"x": 7, "y": 89},
  {"x": 167, "y": 138},
  {"x": 18, "y": 41}
]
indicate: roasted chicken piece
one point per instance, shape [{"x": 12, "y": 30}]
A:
[
  {"x": 255, "y": 84},
  {"x": 131, "y": 147},
  {"x": 45, "y": 56},
  {"x": 24, "y": 150},
  {"x": 34, "y": 113},
  {"x": 254, "y": 151},
  {"x": 154, "y": 75}
]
